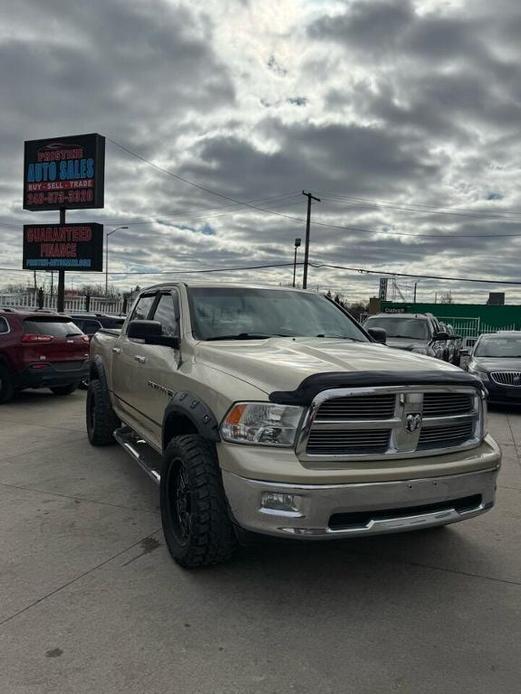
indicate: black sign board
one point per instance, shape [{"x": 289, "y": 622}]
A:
[
  {"x": 382, "y": 294},
  {"x": 64, "y": 172},
  {"x": 77, "y": 247}
]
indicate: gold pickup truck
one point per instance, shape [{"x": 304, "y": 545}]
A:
[{"x": 270, "y": 410}]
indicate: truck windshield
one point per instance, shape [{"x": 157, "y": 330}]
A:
[
  {"x": 415, "y": 328},
  {"x": 247, "y": 313}
]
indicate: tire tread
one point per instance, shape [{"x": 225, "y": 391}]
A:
[{"x": 212, "y": 538}]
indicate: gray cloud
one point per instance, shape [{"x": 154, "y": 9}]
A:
[{"x": 382, "y": 100}]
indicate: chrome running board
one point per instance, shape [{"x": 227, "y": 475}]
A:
[{"x": 144, "y": 455}]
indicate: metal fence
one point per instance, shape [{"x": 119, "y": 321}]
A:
[
  {"x": 94, "y": 304},
  {"x": 471, "y": 328}
]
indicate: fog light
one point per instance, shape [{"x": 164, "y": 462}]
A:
[{"x": 276, "y": 501}]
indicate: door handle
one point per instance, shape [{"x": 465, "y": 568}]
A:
[
  {"x": 140, "y": 359},
  {"x": 116, "y": 350}
]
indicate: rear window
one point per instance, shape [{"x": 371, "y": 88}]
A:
[
  {"x": 91, "y": 326},
  {"x": 4, "y": 326},
  {"x": 51, "y": 326},
  {"x": 113, "y": 322}
]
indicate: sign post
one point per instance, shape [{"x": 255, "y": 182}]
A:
[{"x": 64, "y": 173}]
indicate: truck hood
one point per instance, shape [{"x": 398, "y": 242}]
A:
[{"x": 283, "y": 363}]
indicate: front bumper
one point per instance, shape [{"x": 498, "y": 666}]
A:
[
  {"x": 348, "y": 510},
  {"x": 502, "y": 394}
]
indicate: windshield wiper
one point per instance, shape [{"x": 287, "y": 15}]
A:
[{"x": 239, "y": 336}]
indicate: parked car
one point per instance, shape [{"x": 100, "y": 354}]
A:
[
  {"x": 40, "y": 349},
  {"x": 415, "y": 332},
  {"x": 496, "y": 360},
  {"x": 456, "y": 345},
  {"x": 90, "y": 323},
  {"x": 272, "y": 411}
]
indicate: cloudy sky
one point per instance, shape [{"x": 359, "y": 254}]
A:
[{"x": 403, "y": 117}]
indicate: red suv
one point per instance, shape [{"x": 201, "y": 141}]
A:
[{"x": 40, "y": 349}]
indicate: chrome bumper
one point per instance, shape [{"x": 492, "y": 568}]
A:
[{"x": 388, "y": 501}]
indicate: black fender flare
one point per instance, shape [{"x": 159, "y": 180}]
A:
[
  {"x": 98, "y": 372},
  {"x": 197, "y": 411}
]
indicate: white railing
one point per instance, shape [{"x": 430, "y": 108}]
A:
[{"x": 97, "y": 304}]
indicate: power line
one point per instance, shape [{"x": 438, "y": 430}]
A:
[
  {"x": 210, "y": 214},
  {"x": 420, "y": 208},
  {"x": 360, "y": 270},
  {"x": 365, "y": 271},
  {"x": 169, "y": 272},
  {"x": 211, "y": 191}
]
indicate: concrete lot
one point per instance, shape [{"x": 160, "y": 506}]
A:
[{"x": 90, "y": 601}]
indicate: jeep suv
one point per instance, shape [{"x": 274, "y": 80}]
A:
[{"x": 40, "y": 349}]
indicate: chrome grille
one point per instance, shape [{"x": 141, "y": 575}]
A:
[
  {"x": 391, "y": 422},
  {"x": 358, "y": 407},
  {"x": 507, "y": 378},
  {"x": 443, "y": 404},
  {"x": 346, "y": 442},
  {"x": 441, "y": 437}
]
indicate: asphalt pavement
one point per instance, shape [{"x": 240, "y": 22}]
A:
[{"x": 91, "y": 603}]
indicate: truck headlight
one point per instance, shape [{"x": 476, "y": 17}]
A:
[{"x": 262, "y": 424}]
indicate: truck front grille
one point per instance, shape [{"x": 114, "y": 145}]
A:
[
  {"x": 507, "y": 378},
  {"x": 441, "y": 437},
  {"x": 442, "y": 404},
  {"x": 358, "y": 407},
  {"x": 391, "y": 422},
  {"x": 346, "y": 442}
]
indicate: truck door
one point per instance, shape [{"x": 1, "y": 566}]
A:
[
  {"x": 162, "y": 364},
  {"x": 128, "y": 358}
]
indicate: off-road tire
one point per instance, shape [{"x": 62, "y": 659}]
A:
[
  {"x": 6, "y": 385},
  {"x": 64, "y": 390},
  {"x": 190, "y": 462},
  {"x": 101, "y": 420}
]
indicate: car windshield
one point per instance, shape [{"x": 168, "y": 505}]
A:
[
  {"x": 415, "y": 328},
  {"x": 499, "y": 347},
  {"x": 247, "y": 313}
]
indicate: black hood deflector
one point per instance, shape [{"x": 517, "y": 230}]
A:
[{"x": 312, "y": 385}]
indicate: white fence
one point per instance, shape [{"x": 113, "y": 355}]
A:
[{"x": 96, "y": 304}]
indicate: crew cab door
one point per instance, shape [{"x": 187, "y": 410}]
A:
[
  {"x": 143, "y": 373},
  {"x": 162, "y": 364},
  {"x": 127, "y": 376}
]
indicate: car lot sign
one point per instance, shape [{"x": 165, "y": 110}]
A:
[
  {"x": 64, "y": 172},
  {"x": 77, "y": 247}
]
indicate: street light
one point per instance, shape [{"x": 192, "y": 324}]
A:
[
  {"x": 297, "y": 244},
  {"x": 109, "y": 233}
]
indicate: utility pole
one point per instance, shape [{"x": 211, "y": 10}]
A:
[
  {"x": 310, "y": 197},
  {"x": 297, "y": 244},
  {"x": 61, "y": 275}
]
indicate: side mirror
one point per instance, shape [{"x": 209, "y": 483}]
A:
[
  {"x": 442, "y": 335},
  {"x": 378, "y": 335},
  {"x": 151, "y": 332}
]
